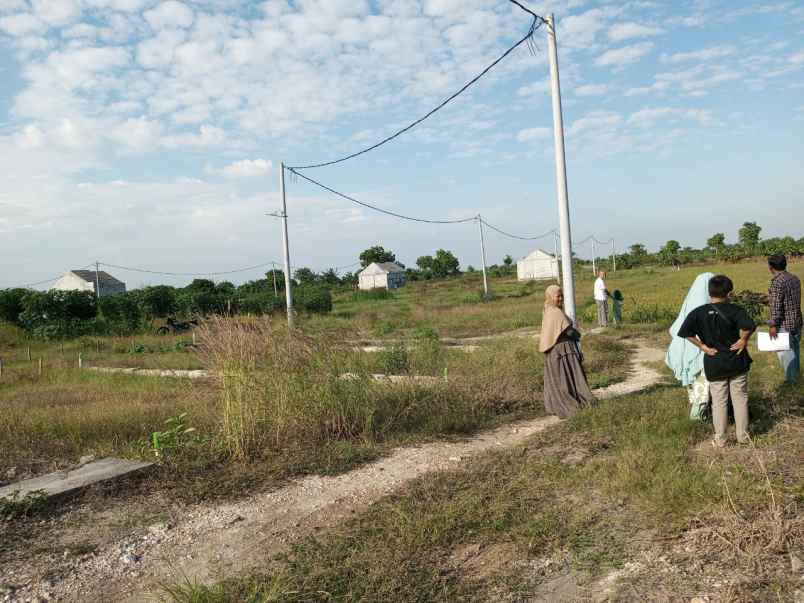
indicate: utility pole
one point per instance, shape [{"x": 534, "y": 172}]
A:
[
  {"x": 97, "y": 282},
  {"x": 613, "y": 255},
  {"x": 288, "y": 292},
  {"x": 273, "y": 273},
  {"x": 555, "y": 255},
  {"x": 483, "y": 256},
  {"x": 594, "y": 256},
  {"x": 568, "y": 277}
]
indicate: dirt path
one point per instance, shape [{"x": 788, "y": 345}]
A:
[{"x": 209, "y": 542}]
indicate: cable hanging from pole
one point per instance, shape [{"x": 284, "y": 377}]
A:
[
  {"x": 375, "y": 208},
  {"x": 538, "y": 21},
  {"x": 521, "y": 238},
  {"x": 142, "y": 270}
]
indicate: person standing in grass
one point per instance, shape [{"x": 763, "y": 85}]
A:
[
  {"x": 617, "y": 301},
  {"x": 784, "y": 297},
  {"x": 602, "y": 299},
  {"x": 687, "y": 360},
  {"x": 566, "y": 389},
  {"x": 721, "y": 330}
]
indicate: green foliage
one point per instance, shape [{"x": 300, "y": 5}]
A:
[
  {"x": 313, "y": 298},
  {"x": 372, "y": 295},
  {"x": 442, "y": 265},
  {"x": 158, "y": 302},
  {"x": 176, "y": 436},
  {"x": 14, "y": 506},
  {"x": 11, "y": 304},
  {"x": 749, "y": 235},
  {"x": 376, "y": 254},
  {"x": 122, "y": 312},
  {"x": 395, "y": 360},
  {"x": 58, "y": 314},
  {"x": 260, "y": 303},
  {"x": 717, "y": 242}
]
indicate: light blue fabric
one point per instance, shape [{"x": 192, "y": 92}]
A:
[{"x": 683, "y": 358}]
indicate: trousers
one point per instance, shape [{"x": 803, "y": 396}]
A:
[{"x": 737, "y": 389}]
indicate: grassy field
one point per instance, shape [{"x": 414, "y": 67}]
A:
[
  {"x": 628, "y": 489},
  {"x": 499, "y": 528}
]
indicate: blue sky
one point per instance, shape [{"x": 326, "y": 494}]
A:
[{"x": 148, "y": 133}]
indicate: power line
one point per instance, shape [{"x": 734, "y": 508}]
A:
[
  {"x": 520, "y": 237},
  {"x": 375, "y": 208},
  {"x": 536, "y": 24},
  {"x": 143, "y": 270}
]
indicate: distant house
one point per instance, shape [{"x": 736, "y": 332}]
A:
[
  {"x": 381, "y": 275},
  {"x": 85, "y": 280},
  {"x": 537, "y": 265}
]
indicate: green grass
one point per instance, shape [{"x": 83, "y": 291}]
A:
[{"x": 632, "y": 479}]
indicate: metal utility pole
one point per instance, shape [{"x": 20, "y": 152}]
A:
[
  {"x": 483, "y": 256},
  {"x": 594, "y": 257},
  {"x": 273, "y": 273},
  {"x": 568, "y": 278},
  {"x": 288, "y": 292},
  {"x": 97, "y": 282}
]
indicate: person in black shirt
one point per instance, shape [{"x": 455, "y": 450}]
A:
[{"x": 722, "y": 330}]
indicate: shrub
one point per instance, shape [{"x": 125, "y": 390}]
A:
[
  {"x": 11, "y": 305},
  {"x": 122, "y": 312},
  {"x": 314, "y": 299},
  {"x": 261, "y": 303},
  {"x": 58, "y": 314},
  {"x": 157, "y": 302},
  {"x": 395, "y": 360}
]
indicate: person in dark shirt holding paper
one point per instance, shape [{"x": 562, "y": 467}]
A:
[{"x": 721, "y": 330}]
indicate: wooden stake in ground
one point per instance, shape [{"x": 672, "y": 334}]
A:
[
  {"x": 29, "y": 353},
  {"x": 80, "y": 360},
  {"x": 40, "y": 367}
]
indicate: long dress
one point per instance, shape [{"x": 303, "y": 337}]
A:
[{"x": 566, "y": 389}]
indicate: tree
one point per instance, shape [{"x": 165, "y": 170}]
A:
[
  {"x": 717, "y": 242},
  {"x": 201, "y": 284},
  {"x": 11, "y": 304},
  {"x": 330, "y": 277},
  {"x": 669, "y": 253},
  {"x": 305, "y": 276},
  {"x": 508, "y": 260},
  {"x": 445, "y": 264},
  {"x": 158, "y": 302},
  {"x": 425, "y": 263},
  {"x": 749, "y": 236},
  {"x": 376, "y": 254},
  {"x": 638, "y": 250}
]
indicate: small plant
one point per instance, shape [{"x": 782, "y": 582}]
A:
[
  {"x": 176, "y": 436},
  {"x": 425, "y": 334},
  {"x": 14, "y": 506},
  {"x": 395, "y": 360}
]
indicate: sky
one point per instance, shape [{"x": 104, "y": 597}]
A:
[{"x": 149, "y": 133}]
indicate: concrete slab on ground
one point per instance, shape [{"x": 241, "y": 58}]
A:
[
  {"x": 179, "y": 373},
  {"x": 66, "y": 482}
]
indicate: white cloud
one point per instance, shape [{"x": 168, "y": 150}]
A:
[
  {"x": 706, "y": 54},
  {"x": 534, "y": 89},
  {"x": 56, "y": 12},
  {"x": 21, "y": 24},
  {"x": 247, "y": 168},
  {"x": 138, "y": 134},
  {"x": 595, "y": 120},
  {"x": 580, "y": 31},
  {"x": 533, "y": 134},
  {"x": 620, "y": 57},
  {"x": 648, "y": 117},
  {"x": 591, "y": 89},
  {"x": 169, "y": 14},
  {"x": 625, "y": 31},
  {"x": 797, "y": 58}
]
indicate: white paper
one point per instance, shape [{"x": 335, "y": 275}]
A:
[{"x": 766, "y": 344}]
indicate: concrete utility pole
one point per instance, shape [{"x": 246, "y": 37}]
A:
[
  {"x": 273, "y": 273},
  {"x": 594, "y": 257},
  {"x": 483, "y": 256},
  {"x": 97, "y": 282},
  {"x": 613, "y": 255},
  {"x": 561, "y": 174},
  {"x": 285, "y": 244},
  {"x": 556, "y": 256}
]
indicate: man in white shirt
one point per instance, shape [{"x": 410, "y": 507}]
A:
[{"x": 602, "y": 299}]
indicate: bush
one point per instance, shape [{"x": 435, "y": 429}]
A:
[
  {"x": 313, "y": 298},
  {"x": 261, "y": 303},
  {"x": 11, "y": 304},
  {"x": 58, "y": 314},
  {"x": 121, "y": 312},
  {"x": 157, "y": 302}
]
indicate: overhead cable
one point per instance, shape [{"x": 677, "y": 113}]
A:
[
  {"x": 143, "y": 270},
  {"x": 379, "y": 209},
  {"x": 521, "y": 238},
  {"x": 537, "y": 22}
]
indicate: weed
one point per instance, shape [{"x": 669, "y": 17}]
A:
[
  {"x": 174, "y": 438},
  {"x": 395, "y": 360},
  {"x": 14, "y": 506}
]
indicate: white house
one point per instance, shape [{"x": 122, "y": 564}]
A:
[
  {"x": 381, "y": 275},
  {"x": 537, "y": 265},
  {"x": 85, "y": 280}
]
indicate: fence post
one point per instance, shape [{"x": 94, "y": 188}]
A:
[
  {"x": 1, "y": 367},
  {"x": 29, "y": 353},
  {"x": 40, "y": 366},
  {"x": 80, "y": 360}
]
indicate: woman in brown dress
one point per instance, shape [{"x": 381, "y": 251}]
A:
[{"x": 566, "y": 390}]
